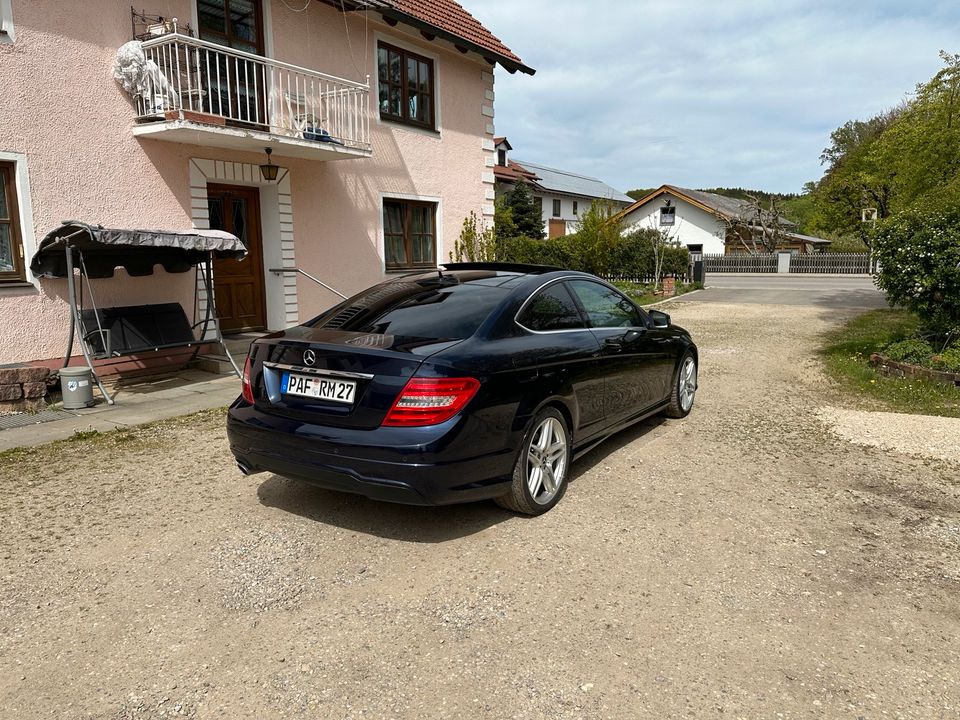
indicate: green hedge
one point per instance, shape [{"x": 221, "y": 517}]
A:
[{"x": 630, "y": 256}]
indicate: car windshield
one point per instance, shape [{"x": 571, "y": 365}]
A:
[{"x": 443, "y": 313}]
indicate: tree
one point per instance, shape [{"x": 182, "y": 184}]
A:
[
  {"x": 639, "y": 193},
  {"x": 526, "y": 216},
  {"x": 755, "y": 223},
  {"x": 596, "y": 237},
  {"x": 898, "y": 159}
]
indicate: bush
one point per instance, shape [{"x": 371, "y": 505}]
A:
[
  {"x": 476, "y": 242},
  {"x": 559, "y": 252},
  {"x": 948, "y": 360},
  {"x": 919, "y": 251},
  {"x": 633, "y": 256},
  {"x": 914, "y": 351}
]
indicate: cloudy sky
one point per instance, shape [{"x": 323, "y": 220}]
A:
[{"x": 702, "y": 93}]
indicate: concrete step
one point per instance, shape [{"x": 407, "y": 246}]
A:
[
  {"x": 218, "y": 364},
  {"x": 238, "y": 345}
]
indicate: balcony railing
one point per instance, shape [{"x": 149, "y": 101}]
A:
[{"x": 191, "y": 79}]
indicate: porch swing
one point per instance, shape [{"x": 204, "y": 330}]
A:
[{"x": 112, "y": 332}]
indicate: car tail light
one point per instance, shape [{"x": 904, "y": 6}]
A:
[
  {"x": 428, "y": 401},
  {"x": 246, "y": 387}
]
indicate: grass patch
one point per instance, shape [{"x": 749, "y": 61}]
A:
[
  {"x": 846, "y": 357},
  {"x": 643, "y": 294},
  {"x": 147, "y": 434}
]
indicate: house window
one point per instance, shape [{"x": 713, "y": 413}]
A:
[
  {"x": 502, "y": 158},
  {"x": 235, "y": 24},
  {"x": 668, "y": 215},
  {"x": 11, "y": 243},
  {"x": 556, "y": 208},
  {"x": 538, "y": 203},
  {"x": 406, "y": 87},
  {"x": 409, "y": 234},
  {"x": 575, "y": 207}
]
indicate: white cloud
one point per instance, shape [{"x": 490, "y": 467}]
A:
[{"x": 701, "y": 93}]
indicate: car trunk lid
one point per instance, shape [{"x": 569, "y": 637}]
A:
[{"x": 335, "y": 377}]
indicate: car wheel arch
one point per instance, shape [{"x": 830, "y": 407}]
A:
[{"x": 563, "y": 406}]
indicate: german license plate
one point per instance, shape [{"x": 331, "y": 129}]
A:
[{"x": 321, "y": 388}]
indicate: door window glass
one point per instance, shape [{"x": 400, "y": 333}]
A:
[
  {"x": 551, "y": 309},
  {"x": 605, "y": 307}
]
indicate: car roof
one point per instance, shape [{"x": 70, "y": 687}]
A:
[{"x": 509, "y": 276}]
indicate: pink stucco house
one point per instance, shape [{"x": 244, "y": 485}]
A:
[{"x": 379, "y": 115}]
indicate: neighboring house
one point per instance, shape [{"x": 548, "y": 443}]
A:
[
  {"x": 562, "y": 196},
  {"x": 701, "y": 221},
  {"x": 379, "y": 114}
]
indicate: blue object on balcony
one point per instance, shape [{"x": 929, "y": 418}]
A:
[{"x": 319, "y": 135}]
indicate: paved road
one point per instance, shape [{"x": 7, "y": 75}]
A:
[{"x": 817, "y": 290}]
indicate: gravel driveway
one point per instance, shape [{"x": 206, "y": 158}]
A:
[{"x": 744, "y": 562}]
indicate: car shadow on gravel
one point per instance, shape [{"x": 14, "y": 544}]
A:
[
  {"x": 645, "y": 430},
  {"x": 411, "y": 523},
  {"x": 390, "y": 521}
]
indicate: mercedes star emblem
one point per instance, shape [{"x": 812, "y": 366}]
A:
[{"x": 309, "y": 357}]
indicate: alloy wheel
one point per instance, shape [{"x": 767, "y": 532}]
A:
[
  {"x": 546, "y": 460},
  {"x": 688, "y": 383}
]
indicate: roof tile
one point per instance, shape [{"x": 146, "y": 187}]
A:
[{"x": 451, "y": 16}]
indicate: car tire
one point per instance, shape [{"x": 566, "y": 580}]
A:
[
  {"x": 684, "y": 388},
  {"x": 542, "y": 467}
]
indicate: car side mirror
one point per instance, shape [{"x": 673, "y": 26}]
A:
[{"x": 660, "y": 319}]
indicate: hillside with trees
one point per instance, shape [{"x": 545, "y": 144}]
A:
[{"x": 906, "y": 157}]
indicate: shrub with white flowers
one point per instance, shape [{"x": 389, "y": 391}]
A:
[{"x": 919, "y": 255}]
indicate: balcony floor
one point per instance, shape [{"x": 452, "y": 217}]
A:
[{"x": 234, "y": 138}]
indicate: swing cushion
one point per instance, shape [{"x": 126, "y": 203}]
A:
[{"x": 135, "y": 328}]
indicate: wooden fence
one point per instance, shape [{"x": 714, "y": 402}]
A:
[
  {"x": 761, "y": 263},
  {"x": 821, "y": 263},
  {"x": 644, "y": 279},
  {"x": 831, "y": 263}
]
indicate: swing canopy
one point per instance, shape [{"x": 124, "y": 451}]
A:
[{"x": 136, "y": 251}]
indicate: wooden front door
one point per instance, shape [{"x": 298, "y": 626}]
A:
[
  {"x": 238, "y": 284},
  {"x": 557, "y": 228}
]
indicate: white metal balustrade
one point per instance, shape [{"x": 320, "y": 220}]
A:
[{"x": 191, "y": 79}]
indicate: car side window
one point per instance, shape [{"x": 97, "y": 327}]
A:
[
  {"x": 605, "y": 307},
  {"x": 551, "y": 309}
]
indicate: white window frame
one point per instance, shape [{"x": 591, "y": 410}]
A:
[{"x": 28, "y": 237}]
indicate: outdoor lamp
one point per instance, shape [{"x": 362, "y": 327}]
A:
[{"x": 269, "y": 171}]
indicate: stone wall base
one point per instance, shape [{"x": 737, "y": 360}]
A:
[
  {"x": 892, "y": 368},
  {"x": 23, "y": 388}
]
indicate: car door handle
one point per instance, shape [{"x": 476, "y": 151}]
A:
[{"x": 613, "y": 345}]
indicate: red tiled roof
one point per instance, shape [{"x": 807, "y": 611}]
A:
[
  {"x": 512, "y": 172},
  {"x": 451, "y": 17}
]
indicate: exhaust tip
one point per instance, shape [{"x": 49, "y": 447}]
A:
[{"x": 244, "y": 468}]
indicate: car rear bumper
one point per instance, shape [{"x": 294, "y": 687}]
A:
[{"x": 375, "y": 463}]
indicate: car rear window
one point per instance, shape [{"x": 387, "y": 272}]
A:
[{"x": 449, "y": 313}]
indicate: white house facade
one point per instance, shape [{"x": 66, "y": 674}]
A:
[
  {"x": 700, "y": 221},
  {"x": 690, "y": 225}
]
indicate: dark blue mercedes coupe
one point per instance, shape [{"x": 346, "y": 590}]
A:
[{"x": 475, "y": 381}]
